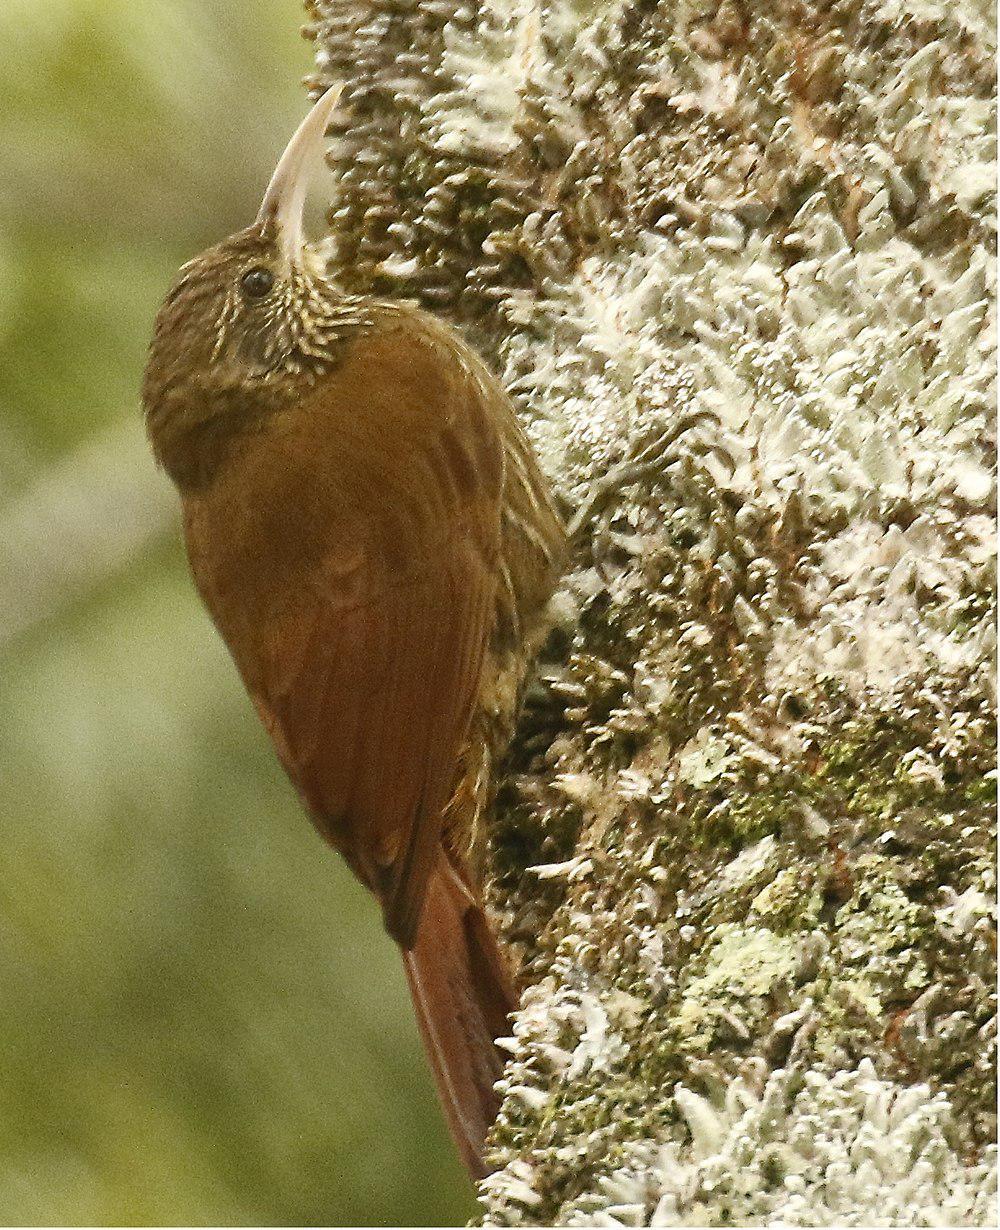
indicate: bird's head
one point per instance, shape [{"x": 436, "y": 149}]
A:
[{"x": 243, "y": 318}]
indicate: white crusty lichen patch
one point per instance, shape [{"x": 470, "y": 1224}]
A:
[
  {"x": 786, "y": 1148},
  {"x": 736, "y": 264}
]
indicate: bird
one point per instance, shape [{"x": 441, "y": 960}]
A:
[{"x": 371, "y": 532}]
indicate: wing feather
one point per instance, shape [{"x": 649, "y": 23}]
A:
[{"x": 374, "y": 667}]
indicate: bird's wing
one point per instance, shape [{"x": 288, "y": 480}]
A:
[{"x": 374, "y": 670}]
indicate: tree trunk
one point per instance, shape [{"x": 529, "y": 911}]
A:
[{"x": 735, "y": 262}]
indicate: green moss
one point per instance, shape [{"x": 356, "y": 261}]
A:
[
  {"x": 881, "y": 928},
  {"x": 860, "y": 775}
]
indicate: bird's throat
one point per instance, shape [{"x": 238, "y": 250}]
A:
[{"x": 196, "y": 431}]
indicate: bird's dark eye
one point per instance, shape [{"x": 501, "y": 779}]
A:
[{"x": 257, "y": 282}]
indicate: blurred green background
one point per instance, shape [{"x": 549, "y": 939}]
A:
[{"x": 202, "y": 1022}]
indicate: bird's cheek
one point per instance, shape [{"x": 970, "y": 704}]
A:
[{"x": 252, "y": 350}]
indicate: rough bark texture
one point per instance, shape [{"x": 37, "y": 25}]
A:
[{"x": 736, "y": 262}]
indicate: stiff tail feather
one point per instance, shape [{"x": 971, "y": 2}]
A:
[{"x": 463, "y": 997}]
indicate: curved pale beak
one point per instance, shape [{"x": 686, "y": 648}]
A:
[{"x": 284, "y": 201}]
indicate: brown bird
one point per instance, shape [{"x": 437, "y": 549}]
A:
[{"x": 372, "y": 535}]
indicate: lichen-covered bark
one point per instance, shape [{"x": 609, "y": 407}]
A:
[{"x": 736, "y": 262}]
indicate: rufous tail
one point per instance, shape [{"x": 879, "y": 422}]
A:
[{"x": 463, "y": 997}]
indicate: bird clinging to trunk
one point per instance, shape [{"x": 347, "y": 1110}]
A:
[{"x": 372, "y": 535}]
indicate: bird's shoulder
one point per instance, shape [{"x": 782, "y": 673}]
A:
[{"x": 402, "y": 366}]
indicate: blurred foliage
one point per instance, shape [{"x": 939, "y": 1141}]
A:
[{"x": 202, "y": 1020}]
